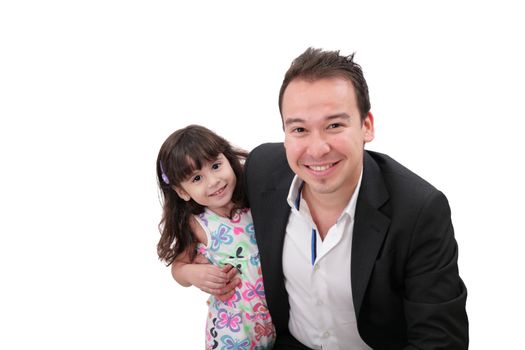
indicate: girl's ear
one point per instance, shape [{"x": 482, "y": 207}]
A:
[{"x": 182, "y": 194}]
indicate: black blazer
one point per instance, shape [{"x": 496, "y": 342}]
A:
[{"x": 406, "y": 288}]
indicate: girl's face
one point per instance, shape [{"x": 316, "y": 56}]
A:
[{"x": 211, "y": 186}]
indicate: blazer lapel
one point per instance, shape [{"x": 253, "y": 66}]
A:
[
  {"x": 270, "y": 234},
  {"x": 370, "y": 227}
]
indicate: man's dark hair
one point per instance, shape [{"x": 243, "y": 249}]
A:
[{"x": 315, "y": 64}]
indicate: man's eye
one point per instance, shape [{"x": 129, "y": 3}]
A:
[
  {"x": 334, "y": 125},
  {"x": 196, "y": 178},
  {"x": 298, "y": 130}
]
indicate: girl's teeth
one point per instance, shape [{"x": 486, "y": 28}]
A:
[{"x": 217, "y": 192}]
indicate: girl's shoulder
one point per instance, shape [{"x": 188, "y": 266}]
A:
[
  {"x": 243, "y": 215},
  {"x": 245, "y": 211}
]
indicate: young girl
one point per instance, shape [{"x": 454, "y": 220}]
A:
[{"x": 200, "y": 177}]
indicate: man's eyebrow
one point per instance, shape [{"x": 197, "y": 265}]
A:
[
  {"x": 330, "y": 117},
  {"x": 338, "y": 116},
  {"x": 293, "y": 120}
]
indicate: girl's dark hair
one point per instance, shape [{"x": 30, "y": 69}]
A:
[{"x": 184, "y": 152}]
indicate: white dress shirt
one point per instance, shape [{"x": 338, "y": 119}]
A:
[{"x": 322, "y": 312}]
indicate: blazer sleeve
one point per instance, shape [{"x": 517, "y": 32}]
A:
[{"x": 435, "y": 295}]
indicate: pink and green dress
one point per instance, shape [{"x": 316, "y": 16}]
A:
[{"x": 243, "y": 322}]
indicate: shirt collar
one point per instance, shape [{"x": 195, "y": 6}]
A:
[
  {"x": 296, "y": 187},
  {"x": 294, "y": 194}
]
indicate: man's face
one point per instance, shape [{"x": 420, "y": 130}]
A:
[{"x": 324, "y": 136}]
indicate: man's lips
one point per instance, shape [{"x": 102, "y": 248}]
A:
[{"x": 320, "y": 167}]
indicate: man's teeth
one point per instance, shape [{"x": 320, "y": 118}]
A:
[{"x": 320, "y": 167}]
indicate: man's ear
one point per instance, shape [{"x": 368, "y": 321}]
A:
[
  {"x": 368, "y": 128},
  {"x": 181, "y": 193}
]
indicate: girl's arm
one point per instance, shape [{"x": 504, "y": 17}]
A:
[
  {"x": 200, "y": 273},
  {"x": 211, "y": 279}
]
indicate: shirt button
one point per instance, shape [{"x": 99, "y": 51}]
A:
[
  {"x": 316, "y": 267},
  {"x": 319, "y": 302},
  {"x": 326, "y": 334}
]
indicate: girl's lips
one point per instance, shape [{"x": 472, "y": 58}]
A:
[{"x": 219, "y": 191}]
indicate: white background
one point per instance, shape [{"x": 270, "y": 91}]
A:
[{"x": 90, "y": 89}]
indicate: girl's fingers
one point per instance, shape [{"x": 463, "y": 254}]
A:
[{"x": 231, "y": 274}]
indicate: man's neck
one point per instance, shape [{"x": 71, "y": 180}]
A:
[{"x": 326, "y": 208}]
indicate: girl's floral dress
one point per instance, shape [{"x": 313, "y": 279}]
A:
[{"x": 243, "y": 322}]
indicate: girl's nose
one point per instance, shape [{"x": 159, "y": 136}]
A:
[{"x": 213, "y": 181}]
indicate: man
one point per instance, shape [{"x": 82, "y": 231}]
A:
[{"x": 357, "y": 252}]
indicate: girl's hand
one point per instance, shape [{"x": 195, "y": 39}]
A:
[
  {"x": 210, "y": 278},
  {"x": 221, "y": 282},
  {"x": 225, "y": 293}
]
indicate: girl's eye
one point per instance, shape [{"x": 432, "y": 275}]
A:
[
  {"x": 196, "y": 178},
  {"x": 216, "y": 166}
]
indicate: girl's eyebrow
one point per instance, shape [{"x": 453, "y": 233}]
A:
[
  {"x": 192, "y": 175},
  {"x": 196, "y": 171}
]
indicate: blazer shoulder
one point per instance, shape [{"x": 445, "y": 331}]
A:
[
  {"x": 266, "y": 158},
  {"x": 267, "y": 167},
  {"x": 399, "y": 179},
  {"x": 268, "y": 152}
]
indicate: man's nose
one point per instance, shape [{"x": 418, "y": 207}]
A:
[{"x": 318, "y": 145}]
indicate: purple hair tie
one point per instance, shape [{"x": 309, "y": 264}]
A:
[{"x": 163, "y": 174}]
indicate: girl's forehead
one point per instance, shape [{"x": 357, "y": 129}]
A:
[{"x": 197, "y": 164}]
